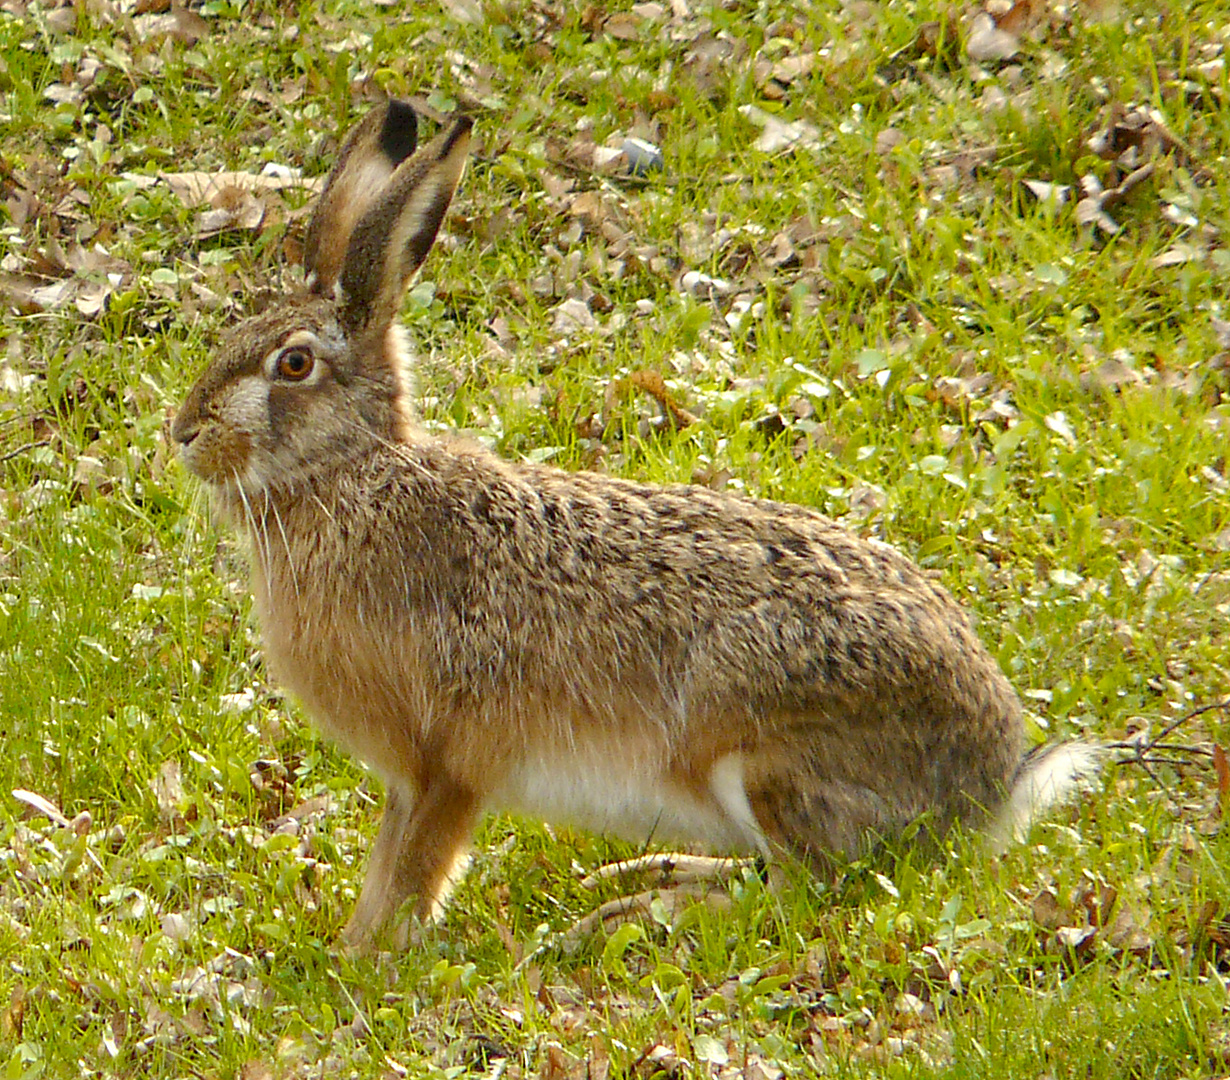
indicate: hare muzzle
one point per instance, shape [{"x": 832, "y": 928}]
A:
[{"x": 217, "y": 445}]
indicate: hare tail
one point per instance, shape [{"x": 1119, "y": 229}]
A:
[{"x": 1047, "y": 776}]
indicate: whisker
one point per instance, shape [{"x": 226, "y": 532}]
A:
[
  {"x": 264, "y": 524},
  {"x": 260, "y": 550},
  {"x": 290, "y": 559},
  {"x": 323, "y": 508}
]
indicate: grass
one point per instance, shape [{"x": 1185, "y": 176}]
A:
[{"x": 906, "y": 337}]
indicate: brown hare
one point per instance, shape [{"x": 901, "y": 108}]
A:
[{"x": 663, "y": 661}]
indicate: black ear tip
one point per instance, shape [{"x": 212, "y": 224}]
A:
[
  {"x": 399, "y": 134},
  {"x": 460, "y": 129}
]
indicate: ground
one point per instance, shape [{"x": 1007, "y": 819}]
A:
[{"x": 956, "y": 275}]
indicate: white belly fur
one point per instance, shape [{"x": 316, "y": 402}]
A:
[{"x": 638, "y": 804}]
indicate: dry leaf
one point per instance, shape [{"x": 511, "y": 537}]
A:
[
  {"x": 1222, "y": 768},
  {"x": 233, "y": 199},
  {"x": 465, "y": 11},
  {"x": 1112, "y": 373},
  {"x": 598, "y": 1065},
  {"x": 168, "y": 790},
  {"x": 590, "y": 207},
  {"x": 559, "y": 1065},
  {"x": 234, "y": 209},
  {"x": 1125, "y": 934},
  {"x": 1047, "y": 911},
  {"x": 623, "y": 26},
  {"x": 13, "y": 1018},
  {"x": 178, "y": 23},
  {"x": 777, "y": 134},
  {"x": 987, "y": 41},
  {"x": 573, "y": 315},
  {"x": 1020, "y": 16},
  {"x": 1135, "y": 135},
  {"x": 1092, "y": 209},
  {"x": 1089, "y": 210},
  {"x": 781, "y": 252},
  {"x": 1048, "y": 193},
  {"x": 1098, "y": 899},
  {"x": 1078, "y": 939},
  {"x": 41, "y": 805},
  {"x": 214, "y": 189}
]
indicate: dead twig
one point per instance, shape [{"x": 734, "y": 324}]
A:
[
  {"x": 672, "y": 866},
  {"x": 23, "y": 449},
  {"x": 1223, "y": 705},
  {"x": 1156, "y": 750}
]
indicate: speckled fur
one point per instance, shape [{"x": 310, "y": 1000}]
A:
[{"x": 487, "y": 634}]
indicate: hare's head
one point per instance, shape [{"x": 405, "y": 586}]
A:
[{"x": 314, "y": 380}]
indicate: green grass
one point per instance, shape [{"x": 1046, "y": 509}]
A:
[{"x": 1037, "y": 413}]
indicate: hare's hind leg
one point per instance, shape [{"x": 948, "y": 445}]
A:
[
  {"x": 816, "y": 812},
  {"x": 418, "y": 851},
  {"x": 832, "y": 819}
]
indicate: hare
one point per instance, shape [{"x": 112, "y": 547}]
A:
[{"x": 657, "y": 661}]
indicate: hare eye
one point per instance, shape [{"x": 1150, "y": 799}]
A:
[{"x": 294, "y": 365}]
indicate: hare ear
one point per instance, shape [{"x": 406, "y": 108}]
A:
[
  {"x": 397, "y": 230},
  {"x": 370, "y": 155}
]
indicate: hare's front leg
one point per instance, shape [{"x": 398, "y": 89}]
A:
[{"x": 416, "y": 854}]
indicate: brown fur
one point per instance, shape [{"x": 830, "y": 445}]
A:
[{"x": 487, "y": 634}]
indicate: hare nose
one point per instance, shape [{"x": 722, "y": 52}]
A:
[{"x": 183, "y": 432}]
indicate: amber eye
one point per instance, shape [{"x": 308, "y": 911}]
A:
[{"x": 295, "y": 365}]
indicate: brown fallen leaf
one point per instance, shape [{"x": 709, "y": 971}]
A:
[
  {"x": 776, "y": 77},
  {"x": 1111, "y": 374},
  {"x": 591, "y": 208},
  {"x": 1126, "y": 933},
  {"x": 956, "y": 392},
  {"x": 1019, "y": 16},
  {"x": 178, "y": 23},
  {"x": 29, "y": 295},
  {"x": 196, "y": 188},
  {"x": 960, "y": 167},
  {"x": 21, "y": 204},
  {"x": 1047, "y": 911},
  {"x": 54, "y": 276},
  {"x": 465, "y": 11},
  {"x": 573, "y": 316},
  {"x": 781, "y": 252},
  {"x": 233, "y": 209},
  {"x": 1222, "y": 768},
  {"x": 12, "y": 1019},
  {"x": 598, "y": 1065},
  {"x": 623, "y": 26},
  {"x": 230, "y": 200},
  {"x": 1133, "y": 135},
  {"x": 1098, "y": 899},
  {"x": 658, "y": 1060}
]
